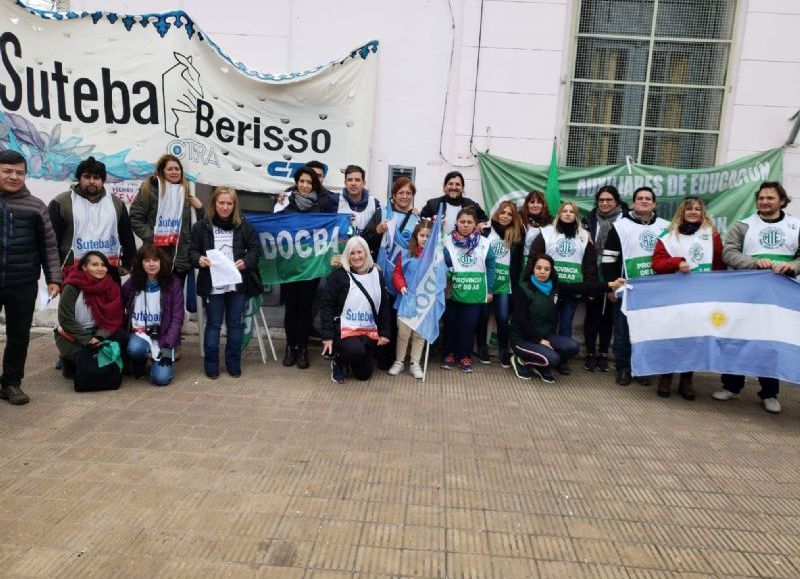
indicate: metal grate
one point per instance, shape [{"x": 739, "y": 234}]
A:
[{"x": 649, "y": 81}]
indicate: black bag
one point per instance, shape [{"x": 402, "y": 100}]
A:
[
  {"x": 253, "y": 286},
  {"x": 90, "y": 377}
]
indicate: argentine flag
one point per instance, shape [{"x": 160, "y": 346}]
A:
[{"x": 731, "y": 322}]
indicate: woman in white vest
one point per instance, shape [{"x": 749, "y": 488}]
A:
[
  {"x": 535, "y": 215},
  {"x": 354, "y": 313},
  {"x": 572, "y": 250},
  {"x": 161, "y": 212},
  {"x": 690, "y": 244},
  {"x": 505, "y": 238},
  {"x": 470, "y": 259}
]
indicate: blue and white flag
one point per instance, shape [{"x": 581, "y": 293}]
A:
[
  {"x": 422, "y": 307},
  {"x": 731, "y": 322}
]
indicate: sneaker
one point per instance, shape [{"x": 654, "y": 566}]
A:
[
  {"x": 449, "y": 362},
  {"x": 590, "y": 363},
  {"x": 416, "y": 371},
  {"x": 16, "y": 396},
  {"x": 564, "y": 369},
  {"x": 543, "y": 373},
  {"x": 505, "y": 360},
  {"x": 397, "y": 367},
  {"x": 602, "y": 363},
  {"x": 772, "y": 405},
  {"x": 337, "y": 373},
  {"x": 483, "y": 355},
  {"x": 465, "y": 365},
  {"x": 520, "y": 369},
  {"x": 723, "y": 395}
]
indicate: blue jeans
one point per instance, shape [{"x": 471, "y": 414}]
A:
[
  {"x": 540, "y": 355},
  {"x": 501, "y": 304},
  {"x": 160, "y": 372},
  {"x": 229, "y": 305},
  {"x": 566, "y": 313},
  {"x": 460, "y": 322},
  {"x": 622, "y": 340}
]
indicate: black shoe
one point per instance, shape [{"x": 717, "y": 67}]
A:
[
  {"x": 643, "y": 380},
  {"x": 590, "y": 364},
  {"x": 483, "y": 355},
  {"x": 290, "y": 358},
  {"x": 543, "y": 372},
  {"x": 602, "y": 363},
  {"x": 14, "y": 395},
  {"x": 623, "y": 377},
  {"x": 302, "y": 358},
  {"x": 236, "y": 374},
  {"x": 564, "y": 369},
  {"x": 212, "y": 375},
  {"x": 520, "y": 369},
  {"x": 505, "y": 359}
]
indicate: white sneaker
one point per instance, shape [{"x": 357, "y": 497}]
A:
[
  {"x": 724, "y": 395},
  {"x": 416, "y": 371},
  {"x": 396, "y": 368},
  {"x": 772, "y": 405}
]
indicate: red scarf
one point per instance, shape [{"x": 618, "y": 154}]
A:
[{"x": 102, "y": 296}]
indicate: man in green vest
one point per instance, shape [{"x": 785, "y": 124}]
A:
[
  {"x": 769, "y": 239},
  {"x": 628, "y": 253}
]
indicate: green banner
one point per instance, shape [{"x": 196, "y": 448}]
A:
[
  {"x": 728, "y": 190},
  {"x": 298, "y": 246}
]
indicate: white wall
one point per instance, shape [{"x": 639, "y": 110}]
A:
[
  {"x": 525, "y": 57},
  {"x": 766, "y": 86}
]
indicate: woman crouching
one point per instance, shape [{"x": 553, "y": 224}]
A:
[
  {"x": 354, "y": 313},
  {"x": 153, "y": 300}
]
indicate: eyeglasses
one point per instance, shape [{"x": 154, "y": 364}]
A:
[{"x": 605, "y": 201}]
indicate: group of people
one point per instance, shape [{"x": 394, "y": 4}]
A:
[{"x": 523, "y": 266}]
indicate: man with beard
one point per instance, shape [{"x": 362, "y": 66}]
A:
[{"x": 87, "y": 218}]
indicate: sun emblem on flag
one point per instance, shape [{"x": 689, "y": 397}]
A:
[{"x": 719, "y": 319}]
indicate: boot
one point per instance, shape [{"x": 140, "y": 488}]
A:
[
  {"x": 302, "y": 358},
  {"x": 685, "y": 386},
  {"x": 664, "y": 385},
  {"x": 289, "y": 359}
]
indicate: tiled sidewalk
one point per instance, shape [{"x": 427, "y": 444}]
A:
[{"x": 283, "y": 474}]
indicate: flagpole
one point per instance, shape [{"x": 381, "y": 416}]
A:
[{"x": 425, "y": 367}]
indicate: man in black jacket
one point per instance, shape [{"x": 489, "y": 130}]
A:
[
  {"x": 454, "y": 201},
  {"x": 27, "y": 246}
]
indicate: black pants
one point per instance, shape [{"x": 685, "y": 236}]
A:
[
  {"x": 298, "y": 300},
  {"x": 19, "y": 304},
  {"x": 357, "y": 352},
  {"x": 385, "y": 355},
  {"x": 598, "y": 322},
  {"x": 734, "y": 383}
]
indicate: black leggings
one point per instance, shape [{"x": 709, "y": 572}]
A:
[
  {"x": 357, "y": 352},
  {"x": 298, "y": 299},
  {"x": 598, "y": 323}
]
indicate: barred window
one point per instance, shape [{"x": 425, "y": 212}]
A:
[{"x": 649, "y": 81}]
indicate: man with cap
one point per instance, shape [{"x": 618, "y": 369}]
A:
[
  {"x": 28, "y": 246},
  {"x": 88, "y": 218}
]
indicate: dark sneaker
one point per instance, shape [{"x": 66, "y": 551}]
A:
[
  {"x": 302, "y": 358},
  {"x": 520, "y": 369},
  {"x": 483, "y": 355},
  {"x": 602, "y": 363},
  {"x": 590, "y": 364},
  {"x": 465, "y": 365},
  {"x": 543, "y": 373},
  {"x": 505, "y": 360},
  {"x": 564, "y": 369},
  {"x": 449, "y": 362},
  {"x": 337, "y": 373},
  {"x": 14, "y": 395},
  {"x": 290, "y": 357}
]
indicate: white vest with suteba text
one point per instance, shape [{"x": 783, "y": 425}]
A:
[
  {"x": 638, "y": 243},
  {"x": 696, "y": 249},
  {"x": 776, "y": 241},
  {"x": 502, "y": 267},
  {"x": 567, "y": 253},
  {"x": 468, "y": 276}
]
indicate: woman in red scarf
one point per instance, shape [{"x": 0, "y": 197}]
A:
[{"x": 90, "y": 309}]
